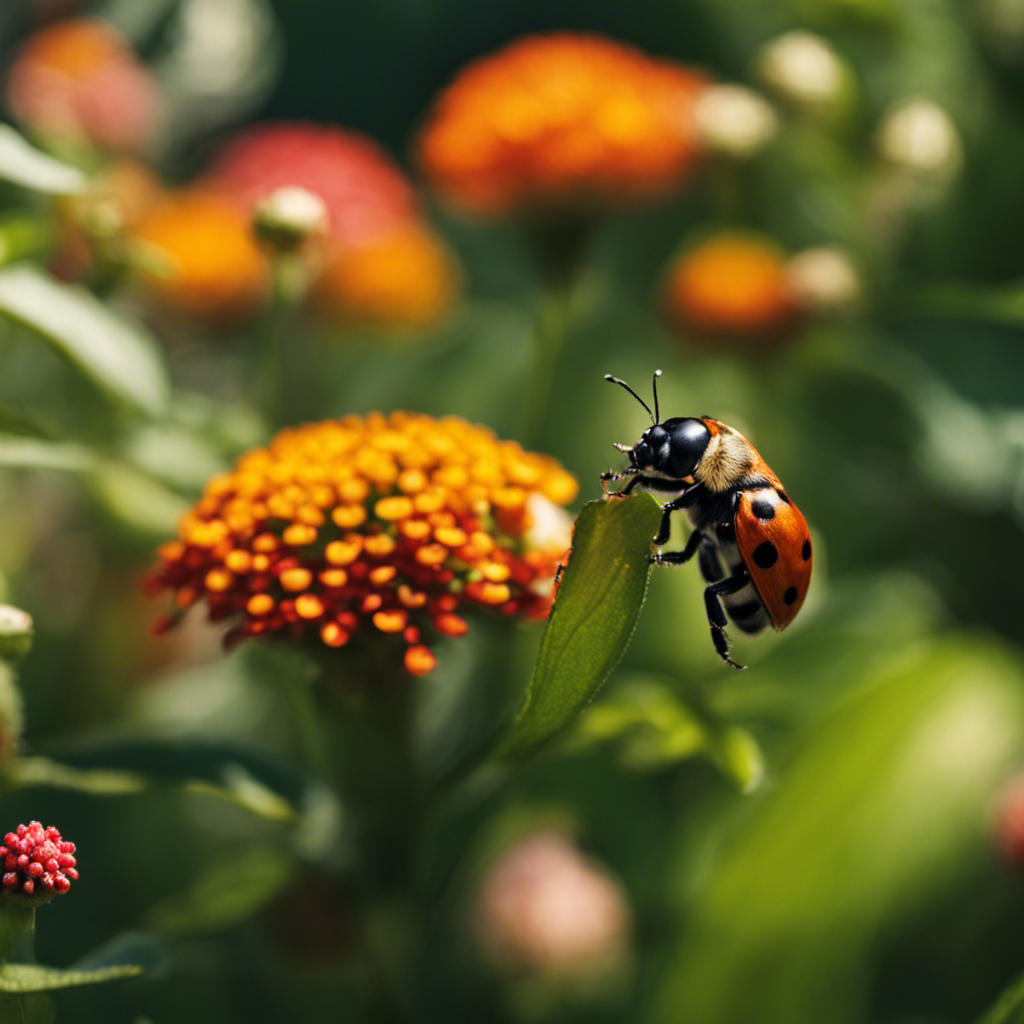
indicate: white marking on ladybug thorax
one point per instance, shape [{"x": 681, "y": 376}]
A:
[{"x": 726, "y": 460}]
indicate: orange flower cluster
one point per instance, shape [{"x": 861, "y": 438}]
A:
[
  {"x": 79, "y": 81},
  {"x": 562, "y": 119},
  {"x": 385, "y": 526},
  {"x": 731, "y": 285}
]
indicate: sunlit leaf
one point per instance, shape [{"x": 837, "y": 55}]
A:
[
  {"x": 599, "y": 600},
  {"x": 35, "y": 453},
  {"x": 849, "y": 844},
  {"x": 17, "y": 978},
  {"x": 116, "y": 354},
  {"x": 1010, "y": 1007},
  {"x": 24, "y": 165}
]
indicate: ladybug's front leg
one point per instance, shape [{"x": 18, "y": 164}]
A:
[{"x": 684, "y": 500}]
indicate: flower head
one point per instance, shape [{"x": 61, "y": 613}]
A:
[
  {"x": 214, "y": 269},
  {"x": 730, "y": 285},
  {"x": 381, "y": 263},
  {"x": 37, "y": 863},
  {"x": 78, "y": 81},
  {"x": 382, "y": 526},
  {"x": 365, "y": 193},
  {"x": 561, "y": 120}
]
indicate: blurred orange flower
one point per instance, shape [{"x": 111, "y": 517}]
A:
[
  {"x": 404, "y": 279},
  {"x": 384, "y": 526},
  {"x": 214, "y": 269},
  {"x": 77, "y": 81},
  {"x": 382, "y": 264},
  {"x": 561, "y": 120},
  {"x": 730, "y": 285}
]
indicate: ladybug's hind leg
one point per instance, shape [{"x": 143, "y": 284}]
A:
[{"x": 716, "y": 613}]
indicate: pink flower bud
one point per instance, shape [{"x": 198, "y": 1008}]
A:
[{"x": 38, "y": 863}]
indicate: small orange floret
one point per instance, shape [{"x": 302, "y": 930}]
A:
[
  {"x": 213, "y": 269},
  {"x": 401, "y": 574},
  {"x": 730, "y": 285},
  {"x": 562, "y": 121},
  {"x": 419, "y": 660}
]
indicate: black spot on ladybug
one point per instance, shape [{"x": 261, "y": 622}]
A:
[
  {"x": 783, "y": 495},
  {"x": 806, "y": 550},
  {"x": 766, "y": 554},
  {"x": 790, "y": 595},
  {"x": 762, "y": 509}
]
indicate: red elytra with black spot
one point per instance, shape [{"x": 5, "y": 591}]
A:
[{"x": 786, "y": 531}]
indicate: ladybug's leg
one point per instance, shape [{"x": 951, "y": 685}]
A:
[
  {"x": 710, "y": 567},
  {"x": 716, "y": 613},
  {"x": 684, "y": 500}
]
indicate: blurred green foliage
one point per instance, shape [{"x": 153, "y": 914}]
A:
[{"x": 810, "y": 840}]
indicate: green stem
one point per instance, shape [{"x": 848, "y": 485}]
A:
[
  {"x": 553, "y": 321},
  {"x": 287, "y": 285},
  {"x": 17, "y": 930}
]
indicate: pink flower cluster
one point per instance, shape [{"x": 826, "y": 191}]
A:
[{"x": 37, "y": 862}]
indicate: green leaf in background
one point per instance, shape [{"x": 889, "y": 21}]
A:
[
  {"x": 599, "y": 601},
  {"x": 36, "y": 453},
  {"x": 228, "y": 891},
  {"x": 848, "y": 845},
  {"x": 27, "y": 1008},
  {"x": 19, "y": 978},
  {"x": 116, "y": 354},
  {"x": 24, "y": 165},
  {"x": 237, "y": 786},
  {"x": 1010, "y": 1007},
  {"x": 652, "y": 727}
]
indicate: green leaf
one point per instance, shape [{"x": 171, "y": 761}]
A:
[
  {"x": 236, "y": 785},
  {"x": 599, "y": 601},
  {"x": 36, "y": 453},
  {"x": 24, "y": 165},
  {"x": 877, "y": 814},
  {"x": 116, "y": 354},
  {"x": 228, "y": 891},
  {"x": 652, "y": 726},
  {"x": 21, "y": 978},
  {"x": 1009, "y": 1009}
]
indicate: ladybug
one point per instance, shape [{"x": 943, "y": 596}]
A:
[{"x": 751, "y": 541}]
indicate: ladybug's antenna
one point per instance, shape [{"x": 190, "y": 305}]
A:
[
  {"x": 615, "y": 380},
  {"x": 654, "y": 388}
]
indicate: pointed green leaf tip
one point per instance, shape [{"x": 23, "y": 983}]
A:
[
  {"x": 21, "y": 978},
  {"x": 599, "y": 601}
]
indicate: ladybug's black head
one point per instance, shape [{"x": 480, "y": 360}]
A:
[{"x": 674, "y": 447}]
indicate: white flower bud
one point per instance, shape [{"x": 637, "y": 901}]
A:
[
  {"x": 824, "y": 280},
  {"x": 919, "y": 137},
  {"x": 288, "y": 216},
  {"x": 801, "y": 68},
  {"x": 734, "y": 121}
]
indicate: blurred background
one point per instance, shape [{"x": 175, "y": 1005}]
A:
[{"x": 219, "y": 218}]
